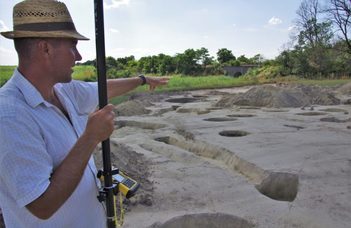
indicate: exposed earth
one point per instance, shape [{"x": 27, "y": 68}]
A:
[
  {"x": 267, "y": 156},
  {"x": 261, "y": 156}
]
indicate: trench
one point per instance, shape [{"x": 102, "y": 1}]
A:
[
  {"x": 233, "y": 133},
  {"x": 220, "y": 119},
  {"x": 335, "y": 120},
  {"x": 294, "y": 126},
  {"x": 241, "y": 115},
  {"x": 142, "y": 125},
  {"x": 182, "y": 100},
  {"x": 311, "y": 113},
  {"x": 334, "y": 110},
  {"x": 282, "y": 186}
]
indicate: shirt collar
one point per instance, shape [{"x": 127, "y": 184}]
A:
[{"x": 30, "y": 93}]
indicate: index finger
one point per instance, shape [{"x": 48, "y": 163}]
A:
[{"x": 109, "y": 107}]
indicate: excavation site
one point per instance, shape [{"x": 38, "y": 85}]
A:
[{"x": 258, "y": 156}]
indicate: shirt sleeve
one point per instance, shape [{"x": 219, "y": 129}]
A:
[
  {"x": 84, "y": 95},
  {"x": 25, "y": 165}
]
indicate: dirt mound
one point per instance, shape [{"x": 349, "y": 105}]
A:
[
  {"x": 204, "y": 220},
  {"x": 135, "y": 166},
  {"x": 280, "y": 96},
  {"x": 131, "y": 108},
  {"x": 345, "y": 89}
]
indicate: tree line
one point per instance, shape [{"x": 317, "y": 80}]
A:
[
  {"x": 191, "y": 62},
  {"x": 319, "y": 47}
]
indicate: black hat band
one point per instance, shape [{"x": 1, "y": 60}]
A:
[{"x": 45, "y": 27}]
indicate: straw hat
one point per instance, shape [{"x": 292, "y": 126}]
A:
[{"x": 42, "y": 18}]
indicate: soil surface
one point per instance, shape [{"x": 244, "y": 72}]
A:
[{"x": 262, "y": 156}]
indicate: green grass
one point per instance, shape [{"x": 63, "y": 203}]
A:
[
  {"x": 325, "y": 82},
  {"x": 5, "y": 73},
  {"x": 84, "y": 73},
  {"x": 185, "y": 83},
  {"x": 205, "y": 82}
]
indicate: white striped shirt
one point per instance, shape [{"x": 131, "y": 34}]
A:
[{"x": 35, "y": 137}]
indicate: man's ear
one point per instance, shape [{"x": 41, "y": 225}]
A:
[{"x": 44, "y": 47}]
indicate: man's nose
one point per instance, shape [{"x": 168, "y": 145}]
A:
[{"x": 78, "y": 56}]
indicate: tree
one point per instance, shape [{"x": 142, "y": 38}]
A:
[
  {"x": 257, "y": 59},
  {"x": 339, "y": 12},
  {"x": 286, "y": 62},
  {"x": 124, "y": 61},
  {"x": 89, "y": 63},
  {"x": 166, "y": 64},
  {"x": 243, "y": 60},
  {"x": 187, "y": 62},
  {"x": 204, "y": 57},
  {"x": 313, "y": 40},
  {"x": 224, "y": 55},
  {"x": 312, "y": 31},
  {"x": 110, "y": 63},
  {"x": 148, "y": 64}
]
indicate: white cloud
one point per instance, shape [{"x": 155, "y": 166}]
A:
[
  {"x": 115, "y": 3},
  {"x": 292, "y": 28},
  {"x": 113, "y": 30},
  {"x": 275, "y": 21},
  {"x": 3, "y": 26}
]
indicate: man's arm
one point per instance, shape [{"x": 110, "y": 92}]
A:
[
  {"x": 100, "y": 126},
  {"x": 117, "y": 87},
  {"x": 68, "y": 174}
]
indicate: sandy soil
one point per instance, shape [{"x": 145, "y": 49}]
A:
[{"x": 204, "y": 161}]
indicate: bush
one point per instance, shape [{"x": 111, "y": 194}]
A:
[
  {"x": 113, "y": 73},
  {"x": 84, "y": 73}
]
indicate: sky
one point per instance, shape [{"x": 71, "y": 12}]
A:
[{"x": 150, "y": 27}]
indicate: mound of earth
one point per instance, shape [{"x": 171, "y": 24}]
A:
[
  {"x": 280, "y": 96},
  {"x": 205, "y": 220},
  {"x": 134, "y": 165},
  {"x": 131, "y": 108},
  {"x": 345, "y": 89}
]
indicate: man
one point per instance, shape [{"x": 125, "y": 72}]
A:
[{"x": 49, "y": 128}]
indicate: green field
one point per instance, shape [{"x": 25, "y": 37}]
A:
[
  {"x": 85, "y": 73},
  {"x": 177, "y": 82},
  {"x": 184, "y": 83},
  {"x": 5, "y": 73}
]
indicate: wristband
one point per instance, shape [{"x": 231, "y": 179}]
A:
[{"x": 142, "y": 77}]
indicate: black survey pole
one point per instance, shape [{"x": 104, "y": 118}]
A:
[{"x": 102, "y": 87}]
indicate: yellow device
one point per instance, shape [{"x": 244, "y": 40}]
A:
[{"x": 126, "y": 185}]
